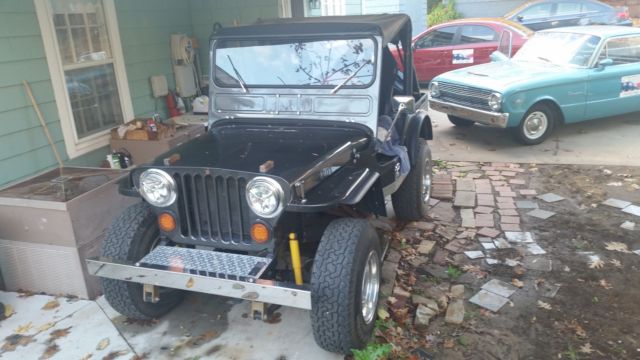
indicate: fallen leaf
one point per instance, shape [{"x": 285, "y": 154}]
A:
[
  {"x": 517, "y": 283},
  {"x": 605, "y": 284},
  {"x": 50, "y": 351},
  {"x": 577, "y": 328},
  {"x": 103, "y": 344},
  {"x": 51, "y": 305},
  {"x": 544, "y": 305},
  {"x": 449, "y": 343},
  {"x": 114, "y": 354},
  {"x": 616, "y": 263},
  {"x": 383, "y": 314},
  {"x": 59, "y": 333},
  {"x": 617, "y": 246},
  {"x": 8, "y": 310},
  {"x": 12, "y": 341},
  {"x": 596, "y": 264},
  {"x": 45, "y": 327},
  {"x": 87, "y": 357},
  {"x": 586, "y": 348},
  {"x": 519, "y": 270},
  {"x": 25, "y": 294},
  {"x": 24, "y": 328},
  {"x": 189, "y": 284}
]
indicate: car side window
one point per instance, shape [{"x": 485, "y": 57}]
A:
[
  {"x": 568, "y": 8},
  {"x": 622, "y": 50},
  {"x": 472, "y": 34},
  {"x": 440, "y": 37},
  {"x": 536, "y": 11}
]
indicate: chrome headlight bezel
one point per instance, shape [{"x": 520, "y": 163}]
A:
[
  {"x": 161, "y": 179},
  {"x": 495, "y": 101},
  {"x": 276, "y": 192},
  {"x": 434, "y": 89}
]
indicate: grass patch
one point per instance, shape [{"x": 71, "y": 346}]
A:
[{"x": 373, "y": 352}]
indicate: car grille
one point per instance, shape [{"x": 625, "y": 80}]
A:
[
  {"x": 465, "y": 95},
  {"x": 213, "y": 209}
]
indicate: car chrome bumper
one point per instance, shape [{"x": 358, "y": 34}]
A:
[
  {"x": 465, "y": 112},
  {"x": 266, "y": 291}
]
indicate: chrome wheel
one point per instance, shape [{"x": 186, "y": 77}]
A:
[
  {"x": 370, "y": 287},
  {"x": 426, "y": 183},
  {"x": 535, "y": 125}
]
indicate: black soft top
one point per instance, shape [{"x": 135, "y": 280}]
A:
[{"x": 391, "y": 27}]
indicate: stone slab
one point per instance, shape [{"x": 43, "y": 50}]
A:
[
  {"x": 499, "y": 287},
  {"x": 488, "y": 232},
  {"x": 465, "y": 185},
  {"x": 488, "y": 245},
  {"x": 528, "y": 192},
  {"x": 484, "y": 209},
  {"x": 489, "y": 300},
  {"x": 632, "y": 209},
  {"x": 476, "y": 254},
  {"x": 518, "y": 237},
  {"x": 510, "y": 227},
  {"x": 484, "y": 220},
  {"x": 510, "y": 219},
  {"x": 617, "y": 203},
  {"x": 526, "y": 204},
  {"x": 517, "y": 182},
  {"x": 550, "y": 197},
  {"x": 541, "y": 214},
  {"x": 537, "y": 263},
  {"x": 486, "y": 200},
  {"x": 504, "y": 206},
  {"x": 534, "y": 249},
  {"x": 501, "y": 243},
  {"x": 628, "y": 225},
  {"x": 465, "y": 199},
  {"x": 508, "y": 212},
  {"x": 468, "y": 219}
]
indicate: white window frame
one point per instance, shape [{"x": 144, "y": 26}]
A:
[{"x": 76, "y": 147}]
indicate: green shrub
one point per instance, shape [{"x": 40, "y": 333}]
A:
[
  {"x": 373, "y": 352},
  {"x": 442, "y": 13}
]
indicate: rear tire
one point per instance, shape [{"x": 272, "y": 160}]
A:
[
  {"x": 129, "y": 238},
  {"x": 458, "y": 121},
  {"x": 411, "y": 200},
  {"x": 339, "y": 319}
]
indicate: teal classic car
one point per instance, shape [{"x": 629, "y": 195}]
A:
[{"x": 559, "y": 76}]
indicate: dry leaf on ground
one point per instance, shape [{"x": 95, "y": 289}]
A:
[
  {"x": 586, "y": 348},
  {"x": 449, "y": 343},
  {"x": 596, "y": 264},
  {"x": 617, "y": 246},
  {"x": 519, "y": 270},
  {"x": 114, "y": 354},
  {"x": 59, "y": 333},
  {"x": 544, "y": 305},
  {"x": 616, "y": 263},
  {"x": 605, "y": 284},
  {"x": 12, "y": 341},
  {"x": 102, "y": 344},
  {"x": 24, "y": 328},
  {"x": 45, "y": 327},
  {"x": 51, "y": 305},
  {"x": 577, "y": 328},
  {"x": 8, "y": 310},
  {"x": 517, "y": 283},
  {"x": 87, "y": 357},
  {"x": 50, "y": 351}
]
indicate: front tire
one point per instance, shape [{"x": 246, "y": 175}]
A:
[
  {"x": 129, "y": 238},
  {"x": 458, "y": 121},
  {"x": 345, "y": 284},
  {"x": 411, "y": 200},
  {"x": 537, "y": 125}
]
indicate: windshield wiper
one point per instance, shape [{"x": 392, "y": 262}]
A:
[
  {"x": 243, "y": 84},
  {"x": 339, "y": 86}
]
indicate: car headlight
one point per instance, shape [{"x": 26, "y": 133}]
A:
[
  {"x": 264, "y": 196},
  {"x": 157, "y": 187},
  {"x": 434, "y": 89},
  {"x": 495, "y": 101}
]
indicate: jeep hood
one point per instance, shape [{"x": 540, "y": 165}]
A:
[{"x": 500, "y": 76}]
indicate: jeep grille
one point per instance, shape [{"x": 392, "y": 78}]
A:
[
  {"x": 213, "y": 209},
  {"x": 465, "y": 95}
]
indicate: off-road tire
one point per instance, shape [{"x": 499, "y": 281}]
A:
[
  {"x": 129, "y": 238},
  {"x": 407, "y": 201},
  {"x": 336, "y": 285},
  {"x": 458, "y": 121},
  {"x": 552, "y": 117}
]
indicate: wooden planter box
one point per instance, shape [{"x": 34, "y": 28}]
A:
[{"x": 47, "y": 232}]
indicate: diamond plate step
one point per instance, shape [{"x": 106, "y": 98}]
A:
[{"x": 206, "y": 263}]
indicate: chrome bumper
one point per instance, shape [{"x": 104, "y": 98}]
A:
[
  {"x": 266, "y": 291},
  {"x": 465, "y": 112}
]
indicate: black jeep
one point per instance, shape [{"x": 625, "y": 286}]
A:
[{"x": 313, "y": 123}]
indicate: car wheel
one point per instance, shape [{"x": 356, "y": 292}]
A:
[
  {"x": 411, "y": 200},
  {"x": 458, "y": 121},
  {"x": 537, "y": 125},
  {"x": 345, "y": 284},
  {"x": 129, "y": 238}
]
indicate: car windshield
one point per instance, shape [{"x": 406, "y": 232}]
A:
[
  {"x": 559, "y": 48},
  {"x": 295, "y": 63}
]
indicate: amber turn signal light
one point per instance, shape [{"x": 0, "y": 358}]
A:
[
  {"x": 260, "y": 233},
  {"x": 166, "y": 222}
]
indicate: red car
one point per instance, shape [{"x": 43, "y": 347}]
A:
[{"x": 460, "y": 43}]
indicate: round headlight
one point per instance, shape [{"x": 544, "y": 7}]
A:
[
  {"x": 434, "y": 89},
  {"x": 157, "y": 187},
  {"x": 264, "y": 196},
  {"x": 495, "y": 101}
]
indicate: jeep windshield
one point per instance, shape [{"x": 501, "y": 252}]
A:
[{"x": 340, "y": 63}]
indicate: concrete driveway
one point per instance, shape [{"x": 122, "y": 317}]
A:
[{"x": 611, "y": 141}]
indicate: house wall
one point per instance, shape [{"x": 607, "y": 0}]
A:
[
  {"x": 204, "y": 13},
  {"x": 486, "y": 8}
]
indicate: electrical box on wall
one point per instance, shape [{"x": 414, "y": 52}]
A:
[
  {"x": 182, "y": 56},
  {"x": 159, "y": 86},
  {"x": 185, "y": 80}
]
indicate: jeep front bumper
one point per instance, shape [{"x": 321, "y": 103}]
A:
[{"x": 480, "y": 116}]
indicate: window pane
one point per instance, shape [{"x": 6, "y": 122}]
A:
[
  {"x": 477, "y": 34},
  {"x": 537, "y": 11},
  {"x": 94, "y": 99},
  {"x": 440, "y": 37},
  {"x": 568, "y": 8},
  {"x": 622, "y": 51},
  {"x": 81, "y": 30}
]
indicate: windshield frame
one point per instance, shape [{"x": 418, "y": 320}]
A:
[
  {"x": 306, "y": 38},
  {"x": 589, "y": 63}
]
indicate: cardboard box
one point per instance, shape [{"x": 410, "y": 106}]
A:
[{"x": 143, "y": 151}]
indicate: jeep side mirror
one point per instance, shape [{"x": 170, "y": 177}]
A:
[
  {"x": 498, "y": 56},
  {"x": 407, "y": 103},
  {"x": 604, "y": 63}
]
